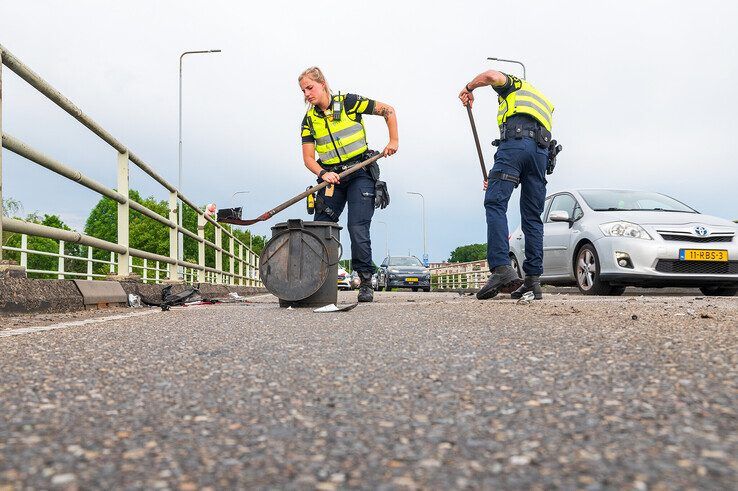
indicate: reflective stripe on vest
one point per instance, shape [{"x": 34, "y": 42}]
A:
[
  {"x": 526, "y": 100},
  {"x": 337, "y": 141}
]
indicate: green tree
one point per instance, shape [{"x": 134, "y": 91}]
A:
[
  {"x": 467, "y": 253},
  {"x": 144, "y": 233},
  {"x": 48, "y": 263}
]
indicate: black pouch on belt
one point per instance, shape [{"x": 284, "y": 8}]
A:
[
  {"x": 543, "y": 137},
  {"x": 373, "y": 170}
]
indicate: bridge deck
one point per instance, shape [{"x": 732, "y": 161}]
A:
[{"x": 415, "y": 390}]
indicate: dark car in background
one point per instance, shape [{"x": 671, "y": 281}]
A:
[{"x": 403, "y": 272}]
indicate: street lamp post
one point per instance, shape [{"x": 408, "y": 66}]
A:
[
  {"x": 386, "y": 237},
  {"x": 250, "y": 231},
  {"x": 425, "y": 249},
  {"x": 510, "y": 61},
  {"x": 180, "y": 241}
]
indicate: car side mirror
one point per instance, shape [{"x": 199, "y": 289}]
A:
[{"x": 559, "y": 216}]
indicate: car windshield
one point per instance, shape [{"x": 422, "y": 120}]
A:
[
  {"x": 405, "y": 261},
  {"x": 612, "y": 200}
]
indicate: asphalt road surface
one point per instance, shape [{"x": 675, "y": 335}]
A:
[{"x": 414, "y": 391}]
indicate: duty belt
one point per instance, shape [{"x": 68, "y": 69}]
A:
[
  {"x": 338, "y": 168},
  {"x": 538, "y": 133}
]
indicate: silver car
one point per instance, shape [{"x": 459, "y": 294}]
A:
[{"x": 603, "y": 240}]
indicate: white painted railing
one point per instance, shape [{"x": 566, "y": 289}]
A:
[
  {"x": 243, "y": 264},
  {"x": 459, "y": 276}
]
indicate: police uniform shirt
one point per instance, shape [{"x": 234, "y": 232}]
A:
[
  {"x": 354, "y": 106},
  {"x": 504, "y": 91}
]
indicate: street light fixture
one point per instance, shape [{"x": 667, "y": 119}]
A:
[
  {"x": 425, "y": 249},
  {"x": 511, "y": 61},
  {"x": 238, "y": 192},
  {"x": 180, "y": 240},
  {"x": 250, "y": 231}
]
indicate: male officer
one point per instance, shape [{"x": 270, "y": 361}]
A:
[{"x": 524, "y": 117}]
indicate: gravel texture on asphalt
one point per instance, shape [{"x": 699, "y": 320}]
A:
[{"x": 413, "y": 391}]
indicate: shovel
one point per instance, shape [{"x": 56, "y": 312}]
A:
[{"x": 229, "y": 217}]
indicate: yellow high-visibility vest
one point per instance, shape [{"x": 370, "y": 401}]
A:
[
  {"x": 337, "y": 141},
  {"x": 526, "y": 100}
]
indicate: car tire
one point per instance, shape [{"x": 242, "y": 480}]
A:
[
  {"x": 719, "y": 291},
  {"x": 587, "y": 272},
  {"x": 379, "y": 288},
  {"x": 426, "y": 289},
  {"x": 515, "y": 265},
  {"x": 415, "y": 288}
]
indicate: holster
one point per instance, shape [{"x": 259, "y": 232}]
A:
[
  {"x": 553, "y": 151},
  {"x": 321, "y": 207}
]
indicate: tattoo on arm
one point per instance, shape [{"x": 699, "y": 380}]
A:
[{"x": 383, "y": 111}]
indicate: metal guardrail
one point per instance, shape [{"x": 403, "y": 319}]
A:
[
  {"x": 242, "y": 269},
  {"x": 459, "y": 276},
  {"x": 471, "y": 280}
]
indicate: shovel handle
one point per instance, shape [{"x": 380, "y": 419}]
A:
[
  {"x": 476, "y": 141},
  {"x": 303, "y": 195}
]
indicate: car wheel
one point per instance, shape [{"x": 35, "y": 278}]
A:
[
  {"x": 415, "y": 288},
  {"x": 515, "y": 265},
  {"x": 426, "y": 289},
  {"x": 587, "y": 267},
  {"x": 719, "y": 291}
]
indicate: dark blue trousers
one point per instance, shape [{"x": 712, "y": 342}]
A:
[
  {"x": 525, "y": 159},
  {"x": 358, "y": 191}
]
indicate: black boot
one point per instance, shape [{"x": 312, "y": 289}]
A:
[
  {"x": 531, "y": 284},
  {"x": 504, "y": 279},
  {"x": 366, "y": 292}
]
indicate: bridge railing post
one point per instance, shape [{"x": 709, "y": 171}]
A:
[
  {"x": 173, "y": 236},
  {"x": 219, "y": 254},
  {"x": 231, "y": 260},
  {"x": 249, "y": 268},
  {"x": 201, "y": 248},
  {"x": 89, "y": 263},
  {"x": 24, "y": 254},
  {"x": 123, "y": 227},
  {"x": 60, "y": 270},
  {"x": 240, "y": 264}
]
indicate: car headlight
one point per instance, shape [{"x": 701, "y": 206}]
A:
[
  {"x": 394, "y": 271},
  {"x": 624, "y": 229}
]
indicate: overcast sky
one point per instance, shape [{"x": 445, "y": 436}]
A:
[{"x": 644, "y": 94}]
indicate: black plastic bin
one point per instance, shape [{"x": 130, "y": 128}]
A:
[{"x": 299, "y": 264}]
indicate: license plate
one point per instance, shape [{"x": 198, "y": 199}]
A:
[
  {"x": 411, "y": 280},
  {"x": 703, "y": 255}
]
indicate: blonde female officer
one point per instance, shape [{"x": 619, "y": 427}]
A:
[{"x": 333, "y": 128}]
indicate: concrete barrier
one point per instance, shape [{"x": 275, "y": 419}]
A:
[{"x": 33, "y": 296}]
